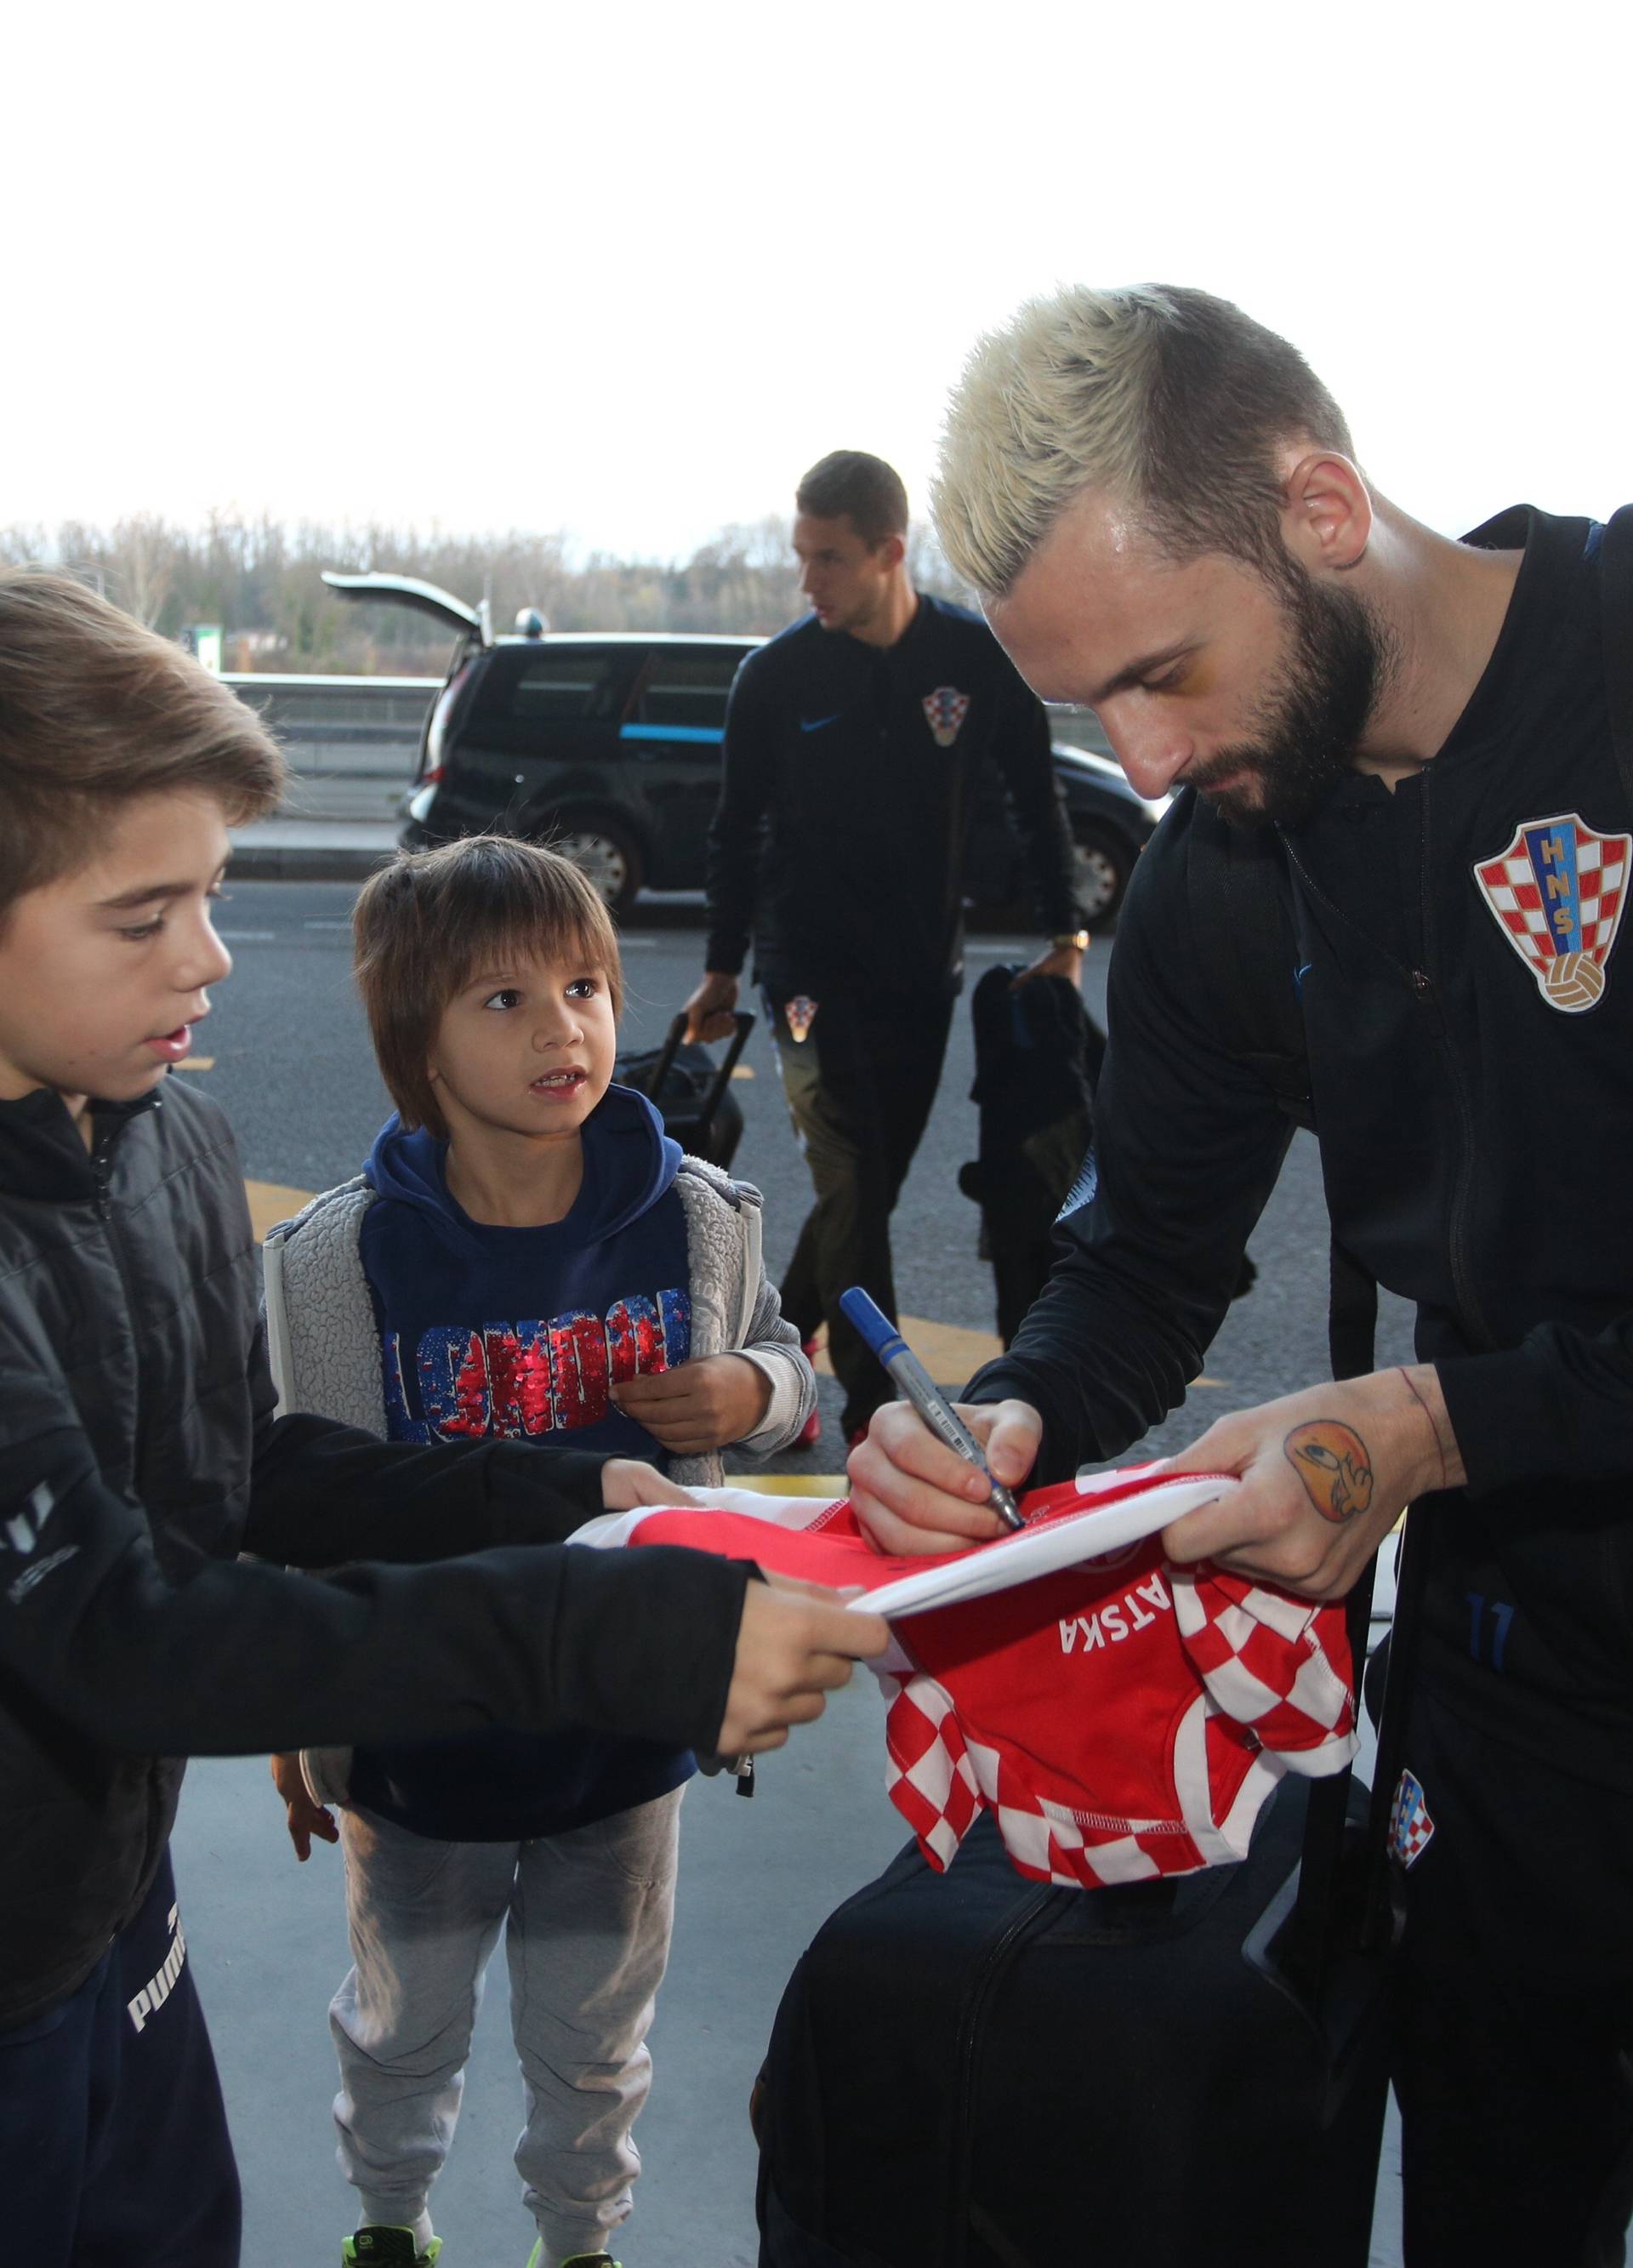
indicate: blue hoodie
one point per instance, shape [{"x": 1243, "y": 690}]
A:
[{"x": 519, "y": 1332}]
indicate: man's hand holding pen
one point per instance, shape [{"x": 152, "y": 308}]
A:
[{"x": 914, "y": 1495}]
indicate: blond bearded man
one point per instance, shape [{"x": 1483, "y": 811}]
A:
[{"x": 1163, "y": 509}]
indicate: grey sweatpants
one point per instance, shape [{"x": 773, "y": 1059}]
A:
[{"x": 587, "y": 1918}]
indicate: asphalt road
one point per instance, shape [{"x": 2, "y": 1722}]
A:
[{"x": 289, "y": 1060}]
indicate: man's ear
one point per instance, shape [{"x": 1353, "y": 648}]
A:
[
  {"x": 890, "y": 551},
  {"x": 1326, "y": 520}
]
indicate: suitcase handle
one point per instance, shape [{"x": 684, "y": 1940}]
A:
[{"x": 745, "y": 1024}]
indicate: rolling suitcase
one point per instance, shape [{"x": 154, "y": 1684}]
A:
[{"x": 692, "y": 1091}]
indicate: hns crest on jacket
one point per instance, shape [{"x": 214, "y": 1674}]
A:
[
  {"x": 1557, "y": 891},
  {"x": 944, "y": 710}
]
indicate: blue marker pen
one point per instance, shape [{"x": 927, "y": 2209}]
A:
[{"x": 922, "y": 1391}]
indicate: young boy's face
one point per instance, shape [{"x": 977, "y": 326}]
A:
[
  {"x": 526, "y": 1047},
  {"x": 103, "y": 972}
]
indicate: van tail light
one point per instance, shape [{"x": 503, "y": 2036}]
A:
[{"x": 431, "y": 767}]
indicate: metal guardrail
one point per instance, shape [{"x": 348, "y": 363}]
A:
[{"x": 350, "y": 742}]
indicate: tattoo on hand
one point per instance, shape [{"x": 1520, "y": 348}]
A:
[{"x": 1334, "y": 1465}]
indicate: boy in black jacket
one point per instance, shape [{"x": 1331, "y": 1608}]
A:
[{"x": 139, "y": 1454}]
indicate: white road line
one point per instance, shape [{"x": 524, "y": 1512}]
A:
[{"x": 248, "y": 936}]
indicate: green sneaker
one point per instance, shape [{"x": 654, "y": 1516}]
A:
[{"x": 386, "y": 2248}]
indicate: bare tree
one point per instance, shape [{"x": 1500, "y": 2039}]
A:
[
  {"x": 141, "y": 565},
  {"x": 263, "y": 583}
]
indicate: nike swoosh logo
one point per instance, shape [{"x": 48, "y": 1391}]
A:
[{"x": 816, "y": 724}]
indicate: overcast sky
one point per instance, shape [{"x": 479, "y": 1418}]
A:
[{"x": 624, "y": 270}]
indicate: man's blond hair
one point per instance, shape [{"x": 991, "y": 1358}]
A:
[{"x": 1164, "y": 398}]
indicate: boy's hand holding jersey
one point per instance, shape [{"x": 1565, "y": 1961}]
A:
[
  {"x": 626, "y": 1482},
  {"x": 796, "y": 1643},
  {"x": 698, "y": 1406},
  {"x": 1327, "y": 1472}
]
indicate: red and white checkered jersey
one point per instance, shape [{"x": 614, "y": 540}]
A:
[{"x": 1120, "y": 1716}]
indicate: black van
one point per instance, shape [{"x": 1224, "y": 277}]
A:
[{"x": 606, "y": 744}]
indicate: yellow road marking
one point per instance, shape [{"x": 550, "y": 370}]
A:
[
  {"x": 949, "y": 1353},
  {"x": 790, "y": 1483},
  {"x": 742, "y": 1070},
  {"x": 270, "y": 1202}
]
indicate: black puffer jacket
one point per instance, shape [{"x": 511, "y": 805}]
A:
[{"x": 139, "y": 1454}]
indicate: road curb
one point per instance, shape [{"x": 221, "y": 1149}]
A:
[{"x": 280, "y": 862}]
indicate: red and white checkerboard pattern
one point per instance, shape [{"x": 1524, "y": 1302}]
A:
[
  {"x": 1119, "y": 1717},
  {"x": 1255, "y": 1692},
  {"x": 1260, "y": 1655},
  {"x": 1515, "y": 896}
]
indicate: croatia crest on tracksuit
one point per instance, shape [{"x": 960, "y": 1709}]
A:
[
  {"x": 944, "y": 710},
  {"x": 1557, "y": 891},
  {"x": 1410, "y": 1826}
]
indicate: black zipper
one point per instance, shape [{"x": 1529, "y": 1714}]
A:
[
  {"x": 1470, "y": 1313},
  {"x": 1422, "y": 984},
  {"x": 957, "y": 2188}
]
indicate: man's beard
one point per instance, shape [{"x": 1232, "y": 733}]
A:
[{"x": 1310, "y": 718}]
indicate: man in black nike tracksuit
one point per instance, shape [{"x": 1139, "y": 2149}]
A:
[
  {"x": 1432, "y": 742},
  {"x": 853, "y": 747}
]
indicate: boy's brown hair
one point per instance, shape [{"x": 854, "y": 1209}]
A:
[
  {"x": 95, "y": 710},
  {"x": 424, "y": 923}
]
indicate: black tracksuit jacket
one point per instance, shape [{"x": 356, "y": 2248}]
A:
[
  {"x": 139, "y": 1454},
  {"x": 840, "y": 837},
  {"x": 1477, "y": 1150}
]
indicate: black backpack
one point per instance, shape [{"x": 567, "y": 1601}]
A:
[{"x": 1038, "y": 1055}]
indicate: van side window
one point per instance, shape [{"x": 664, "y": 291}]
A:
[
  {"x": 685, "y": 688},
  {"x": 560, "y": 686}
]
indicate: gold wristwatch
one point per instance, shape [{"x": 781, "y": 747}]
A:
[{"x": 1077, "y": 938}]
